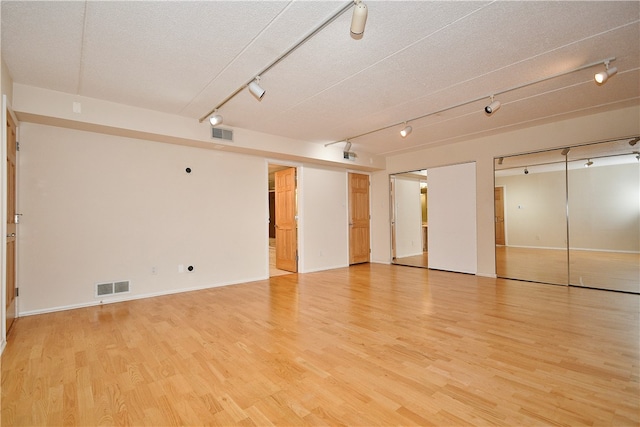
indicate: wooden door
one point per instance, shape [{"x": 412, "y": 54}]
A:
[
  {"x": 10, "y": 309},
  {"x": 499, "y": 211},
  {"x": 286, "y": 221},
  {"x": 359, "y": 229}
]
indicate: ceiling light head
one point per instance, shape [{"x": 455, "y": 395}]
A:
[
  {"x": 526, "y": 171},
  {"x": 406, "y": 131},
  {"x": 500, "y": 160},
  {"x": 255, "y": 88},
  {"x": 215, "y": 120},
  {"x": 603, "y": 76},
  {"x": 589, "y": 163},
  {"x": 359, "y": 18},
  {"x": 492, "y": 107},
  {"x": 347, "y": 146},
  {"x": 565, "y": 151},
  {"x": 634, "y": 141}
]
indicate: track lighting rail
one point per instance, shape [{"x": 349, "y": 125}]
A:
[
  {"x": 281, "y": 57},
  {"x": 490, "y": 96}
]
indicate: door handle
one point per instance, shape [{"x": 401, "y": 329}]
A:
[{"x": 11, "y": 235}]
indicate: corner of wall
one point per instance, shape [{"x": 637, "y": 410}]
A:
[{"x": 6, "y": 83}]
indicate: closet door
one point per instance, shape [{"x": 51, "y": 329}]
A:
[
  {"x": 604, "y": 217},
  {"x": 452, "y": 218},
  {"x": 534, "y": 217}
]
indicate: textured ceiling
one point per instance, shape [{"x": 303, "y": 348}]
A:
[{"x": 415, "y": 58}]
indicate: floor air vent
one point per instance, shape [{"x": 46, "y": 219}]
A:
[
  {"x": 110, "y": 288},
  {"x": 224, "y": 134}
]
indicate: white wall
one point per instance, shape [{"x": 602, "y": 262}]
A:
[
  {"x": 102, "y": 208},
  {"x": 380, "y": 218},
  {"x": 49, "y": 107},
  {"x": 482, "y": 150},
  {"x": 408, "y": 217},
  {"x": 324, "y": 203}
]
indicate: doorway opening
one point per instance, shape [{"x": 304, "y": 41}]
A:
[{"x": 283, "y": 220}]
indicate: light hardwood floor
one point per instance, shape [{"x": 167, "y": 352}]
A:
[{"x": 367, "y": 345}]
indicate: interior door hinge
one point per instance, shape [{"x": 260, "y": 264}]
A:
[
  {"x": 17, "y": 292},
  {"x": 17, "y": 145}
]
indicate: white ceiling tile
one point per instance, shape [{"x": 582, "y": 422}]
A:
[
  {"x": 42, "y": 41},
  {"x": 415, "y": 58}
]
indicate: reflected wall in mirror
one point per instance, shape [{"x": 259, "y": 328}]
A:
[
  {"x": 604, "y": 216},
  {"x": 534, "y": 217},
  {"x": 571, "y": 216},
  {"x": 409, "y": 229}
]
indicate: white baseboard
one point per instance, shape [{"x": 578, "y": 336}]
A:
[
  {"x": 132, "y": 298},
  {"x": 490, "y": 276},
  {"x": 329, "y": 267}
]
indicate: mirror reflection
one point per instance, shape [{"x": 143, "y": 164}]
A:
[
  {"x": 531, "y": 207},
  {"x": 409, "y": 213},
  {"x": 570, "y": 216}
]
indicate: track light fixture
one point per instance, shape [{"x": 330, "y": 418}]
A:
[
  {"x": 359, "y": 18},
  {"x": 347, "y": 146},
  {"x": 215, "y": 120},
  {"x": 493, "y": 107},
  {"x": 565, "y": 151},
  {"x": 405, "y": 131},
  {"x": 603, "y": 76},
  {"x": 589, "y": 163},
  {"x": 255, "y": 88}
]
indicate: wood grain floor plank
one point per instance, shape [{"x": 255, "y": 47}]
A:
[{"x": 366, "y": 345}]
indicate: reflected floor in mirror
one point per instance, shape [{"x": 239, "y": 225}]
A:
[
  {"x": 414, "y": 261},
  {"x": 593, "y": 269}
]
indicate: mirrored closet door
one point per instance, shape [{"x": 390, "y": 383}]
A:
[{"x": 571, "y": 216}]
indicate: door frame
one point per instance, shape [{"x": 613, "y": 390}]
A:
[
  {"x": 504, "y": 213},
  {"x": 6, "y": 108},
  {"x": 284, "y": 164}
]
